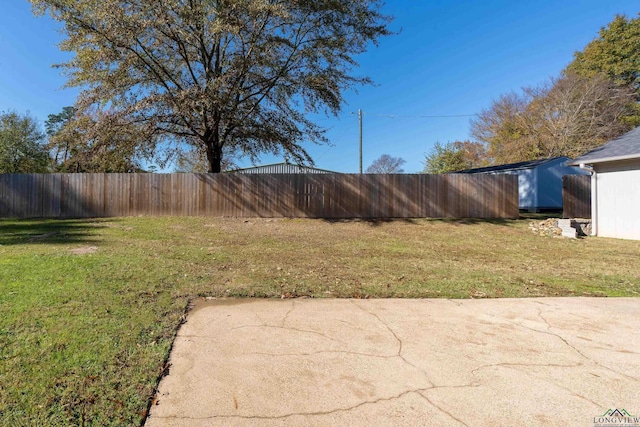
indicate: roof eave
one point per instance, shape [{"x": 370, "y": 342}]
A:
[
  {"x": 507, "y": 168},
  {"x": 578, "y": 161}
]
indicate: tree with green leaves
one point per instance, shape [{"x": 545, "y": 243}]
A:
[
  {"x": 61, "y": 149},
  {"x": 455, "y": 156},
  {"x": 387, "y": 164},
  {"x": 218, "y": 73},
  {"x": 614, "y": 53},
  {"x": 22, "y": 145}
]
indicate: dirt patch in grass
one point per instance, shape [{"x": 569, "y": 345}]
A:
[{"x": 83, "y": 250}]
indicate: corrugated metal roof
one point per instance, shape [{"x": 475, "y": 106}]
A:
[
  {"x": 624, "y": 147},
  {"x": 512, "y": 166},
  {"x": 281, "y": 168}
]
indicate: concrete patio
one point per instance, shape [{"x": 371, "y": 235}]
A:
[{"x": 548, "y": 361}]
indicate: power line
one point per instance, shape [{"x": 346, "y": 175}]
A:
[
  {"x": 361, "y": 113},
  {"x": 401, "y": 116},
  {"x": 336, "y": 141},
  {"x": 393, "y": 116}
]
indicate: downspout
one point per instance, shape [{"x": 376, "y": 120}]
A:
[{"x": 594, "y": 198}]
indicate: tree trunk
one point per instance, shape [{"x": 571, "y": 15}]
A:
[
  {"x": 216, "y": 163},
  {"x": 214, "y": 152}
]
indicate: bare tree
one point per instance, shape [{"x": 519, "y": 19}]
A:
[
  {"x": 574, "y": 114},
  {"x": 564, "y": 117},
  {"x": 218, "y": 73},
  {"x": 387, "y": 164},
  {"x": 503, "y": 128}
]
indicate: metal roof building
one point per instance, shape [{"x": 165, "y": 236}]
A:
[{"x": 284, "y": 168}]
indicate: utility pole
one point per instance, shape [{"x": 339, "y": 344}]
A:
[{"x": 360, "y": 120}]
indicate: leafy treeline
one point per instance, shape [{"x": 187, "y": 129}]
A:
[
  {"x": 595, "y": 99},
  {"x": 22, "y": 144},
  {"x": 64, "y": 147},
  {"x": 456, "y": 156}
]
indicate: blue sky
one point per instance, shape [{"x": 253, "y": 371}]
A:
[{"x": 450, "y": 58}]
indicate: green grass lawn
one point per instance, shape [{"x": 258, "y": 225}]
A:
[{"x": 89, "y": 308}]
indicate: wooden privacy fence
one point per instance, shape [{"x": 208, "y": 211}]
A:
[
  {"x": 277, "y": 195},
  {"x": 576, "y": 196}
]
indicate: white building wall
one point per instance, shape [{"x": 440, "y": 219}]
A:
[{"x": 618, "y": 199}]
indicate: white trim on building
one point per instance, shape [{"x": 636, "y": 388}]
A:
[{"x": 615, "y": 186}]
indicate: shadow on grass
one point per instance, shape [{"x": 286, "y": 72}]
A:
[
  {"x": 416, "y": 221},
  {"x": 47, "y": 231},
  {"x": 476, "y": 221},
  {"x": 540, "y": 216},
  {"x": 374, "y": 222}
]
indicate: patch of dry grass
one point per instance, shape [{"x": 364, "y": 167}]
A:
[{"x": 417, "y": 258}]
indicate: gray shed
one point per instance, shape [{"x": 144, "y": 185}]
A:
[{"x": 539, "y": 181}]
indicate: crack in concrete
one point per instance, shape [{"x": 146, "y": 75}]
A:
[
  {"x": 384, "y": 324},
  {"x": 599, "y": 405},
  {"x": 288, "y": 328},
  {"x": 286, "y": 316},
  {"x": 537, "y": 301},
  {"x": 417, "y": 391},
  {"x": 399, "y": 354},
  {"x": 544, "y": 319},
  {"x": 262, "y": 322},
  {"x": 355, "y": 353},
  {"x": 564, "y": 340},
  {"x": 549, "y": 332},
  {"x": 515, "y": 365},
  {"x": 510, "y": 364},
  {"x": 439, "y": 408},
  {"x": 278, "y": 417},
  {"x": 549, "y": 327}
]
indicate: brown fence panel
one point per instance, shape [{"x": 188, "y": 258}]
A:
[
  {"x": 576, "y": 196},
  {"x": 259, "y": 195}
]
